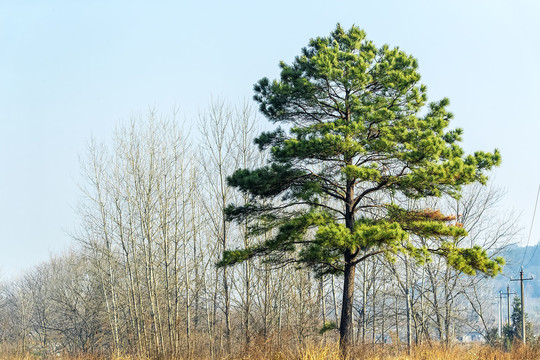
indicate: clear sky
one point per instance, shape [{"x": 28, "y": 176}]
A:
[{"x": 70, "y": 70}]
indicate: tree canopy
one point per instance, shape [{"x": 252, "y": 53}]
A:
[{"x": 356, "y": 139}]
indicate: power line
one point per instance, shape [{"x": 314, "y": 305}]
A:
[
  {"x": 534, "y": 252},
  {"x": 530, "y": 230}
]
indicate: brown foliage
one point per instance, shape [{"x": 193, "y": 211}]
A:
[{"x": 430, "y": 215}]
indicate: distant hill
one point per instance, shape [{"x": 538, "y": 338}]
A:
[{"x": 515, "y": 256}]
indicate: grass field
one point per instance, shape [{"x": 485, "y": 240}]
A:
[
  {"x": 424, "y": 352},
  {"x": 264, "y": 350}
]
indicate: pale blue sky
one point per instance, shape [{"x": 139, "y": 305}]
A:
[{"x": 73, "y": 69}]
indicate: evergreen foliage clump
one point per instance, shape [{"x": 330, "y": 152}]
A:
[{"x": 512, "y": 331}]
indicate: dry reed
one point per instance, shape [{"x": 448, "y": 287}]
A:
[{"x": 267, "y": 350}]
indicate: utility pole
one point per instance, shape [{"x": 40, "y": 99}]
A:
[
  {"x": 521, "y": 280},
  {"x": 500, "y": 313},
  {"x": 507, "y": 293}
]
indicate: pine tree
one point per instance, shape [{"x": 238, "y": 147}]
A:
[
  {"x": 355, "y": 141},
  {"x": 512, "y": 332}
]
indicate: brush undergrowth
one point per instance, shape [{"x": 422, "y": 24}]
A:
[{"x": 266, "y": 350}]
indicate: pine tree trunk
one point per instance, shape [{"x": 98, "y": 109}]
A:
[{"x": 346, "y": 325}]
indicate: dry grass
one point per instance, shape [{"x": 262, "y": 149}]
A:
[
  {"x": 317, "y": 351},
  {"x": 424, "y": 352},
  {"x": 265, "y": 350}
]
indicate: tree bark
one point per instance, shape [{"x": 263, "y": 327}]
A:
[{"x": 346, "y": 324}]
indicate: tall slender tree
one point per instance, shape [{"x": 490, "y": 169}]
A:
[{"x": 355, "y": 142}]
